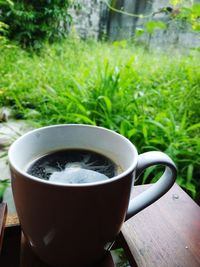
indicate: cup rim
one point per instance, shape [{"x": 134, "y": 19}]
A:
[{"x": 23, "y": 173}]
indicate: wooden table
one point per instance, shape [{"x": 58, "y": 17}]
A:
[
  {"x": 3, "y": 214},
  {"x": 166, "y": 234}
]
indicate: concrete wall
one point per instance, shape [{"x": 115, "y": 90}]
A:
[
  {"x": 95, "y": 20},
  {"x": 86, "y": 21},
  {"x": 177, "y": 33}
]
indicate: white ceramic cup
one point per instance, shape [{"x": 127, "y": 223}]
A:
[{"x": 75, "y": 224}]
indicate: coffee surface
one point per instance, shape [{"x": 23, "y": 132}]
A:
[{"x": 73, "y": 166}]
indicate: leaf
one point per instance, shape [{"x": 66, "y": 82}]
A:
[
  {"x": 83, "y": 118},
  {"x": 139, "y": 32},
  {"x": 191, "y": 188},
  {"x": 152, "y": 25},
  {"x": 193, "y": 127},
  {"x": 3, "y": 186},
  {"x": 3, "y": 155},
  {"x": 10, "y": 2},
  {"x": 175, "y": 2},
  {"x": 159, "y": 125},
  {"x": 147, "y": 173},
  {"x": 145, "y": 132},
  {"x": 196, "y": 10},
  {"x": 196, "y": 26},
  {"x": 76, "y": 101},
  {"x": 132, "y": 133},
  {"x": 124, "y": 127},
  {"x": 190, "y": 170},
  {"x": 3, "y": 27},
  {"x": 122, "y": 43},
  {"x": 183, "y": 121},
  {"x": 107, "y": 102}
]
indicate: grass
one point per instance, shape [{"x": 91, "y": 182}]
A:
[{"x": 151, "y": 98}]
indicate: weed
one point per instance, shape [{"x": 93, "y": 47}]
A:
[{"x": 151, "y": 98}]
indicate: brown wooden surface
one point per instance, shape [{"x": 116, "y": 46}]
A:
[
  {"x": 16, "y": 252},
  {"x": 11, "y": 247},
  {"x": 29, "y": 259},
  {"x": 12, "y": 220},
  {"x": 166, "y": 234},
  {"x": 3, "y": 213}
]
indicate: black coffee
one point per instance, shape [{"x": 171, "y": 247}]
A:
[{"x": 72, "y": 166}]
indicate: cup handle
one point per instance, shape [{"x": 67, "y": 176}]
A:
[{"x": 158, "y": 189}]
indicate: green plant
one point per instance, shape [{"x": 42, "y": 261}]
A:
[
  {"x": 33, "y": 22},
  {"x": 151, "y": 98},
  {"x": 3, "y": 30},
  {"x": 190, "y": 14},
  {"x": 4, "y": 184},
  {"x": 186, "y": 14}
]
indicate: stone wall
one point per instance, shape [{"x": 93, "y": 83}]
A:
[
  {"x": 86, "y": 21},
  {"x": 95, "y": 20},
  {"x": 177, "y": 34}
]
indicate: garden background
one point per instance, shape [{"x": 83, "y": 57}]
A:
[{"x": 141, "y": 80}]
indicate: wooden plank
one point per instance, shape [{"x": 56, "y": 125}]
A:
[
  {"x": 3, "y": 213},
  {"x": 12, "y": 252},
  {"x": 9, "y": 258},
  {"x": 29, "y": 259},
  {"x": 12, "y": 220},
  {"x": 11, "y": 247},
  {"x": 166, "y": 234}
]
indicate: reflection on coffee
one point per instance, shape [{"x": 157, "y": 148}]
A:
[{"x": 73, "y": 166}]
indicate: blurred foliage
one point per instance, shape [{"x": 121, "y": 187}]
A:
[
  {"x": 33, "y": 22},
  {"x": 3, "y": 31},
  {"x": 4, "y": 184},
  {"x": 152, "y": 25},
  {"x": 151, "y": 98}
]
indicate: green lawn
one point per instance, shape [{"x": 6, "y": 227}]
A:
[{"x": 152, "y": 98}]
